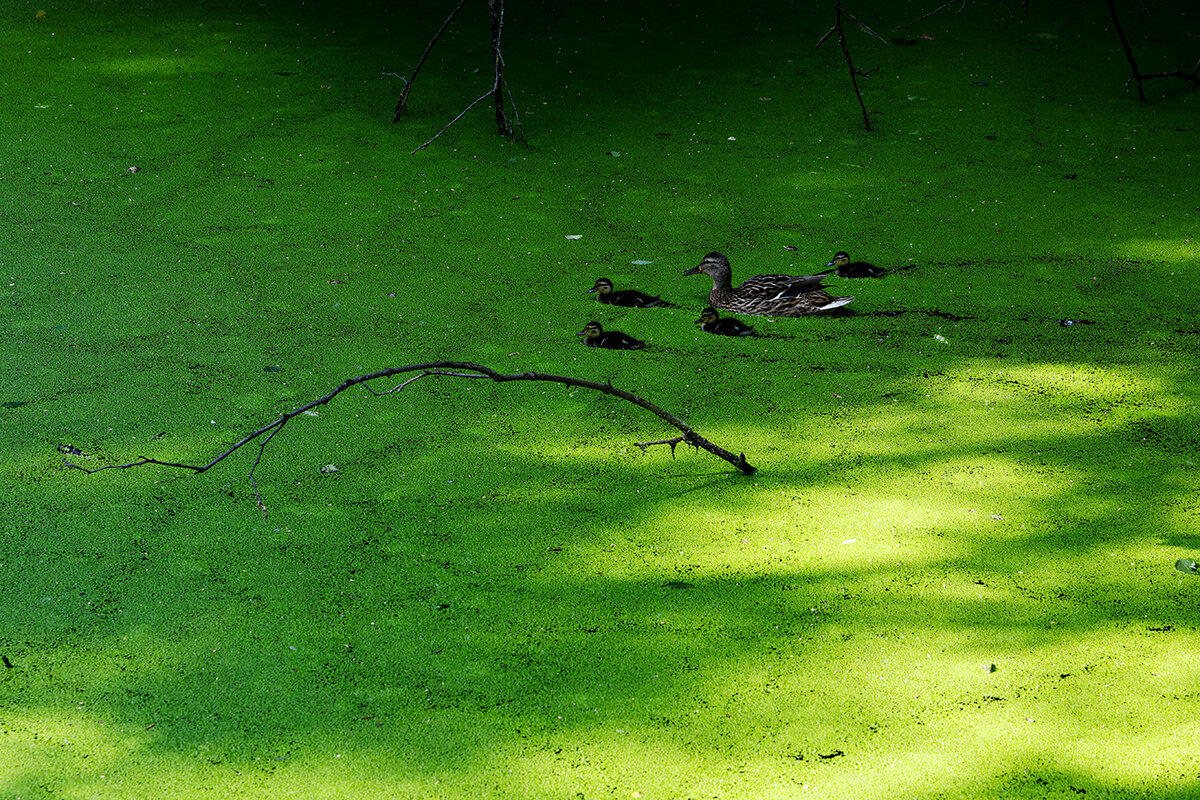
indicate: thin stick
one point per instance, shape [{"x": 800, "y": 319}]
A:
[
  {"x": 499, "y": 87},
  {"x": 837, "y": 28},
  {"x": 402, "y": 103},
  {"x": 461, "y": 114},
  {"x": 1136, "y": 76},
  {"x": 942, "y": 7},
  {"x": 448, "y": 369}
]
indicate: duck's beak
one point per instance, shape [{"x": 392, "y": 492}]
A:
[
  {"x": 693, "y": 271},
  {"x": 593, "y": 289},
  {"x": 831, "y": 263}
]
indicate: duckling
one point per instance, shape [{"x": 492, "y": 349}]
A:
[
  {"x": 595, "y": 336},
  {"x": 854, "y": 269},
  {"x": 627, "y": 297},
  {"x": 776, "y": 295},
  {"x": 712, "y": 322}
]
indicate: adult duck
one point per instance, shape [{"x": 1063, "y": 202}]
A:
[{"x": 767, "y": 295}]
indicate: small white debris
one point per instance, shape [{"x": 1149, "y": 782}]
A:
[
  {"x": 574, "y": 236},
  {"x": 329, "y": 469}
]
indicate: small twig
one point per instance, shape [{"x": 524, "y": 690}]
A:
[
  {"x": 448, "y": 369},
  {"x": 504, "y": 126},
  {"x": 865, "y": 28},
  {"x": 837, "y": 28},
  {"x": 942, "y": 7},
  {"x": 1136, "y": 74},
  {"x": 669, "y": 442},
  {"x": 402, "y": 103},
  {"x": 449, "y": 124}
]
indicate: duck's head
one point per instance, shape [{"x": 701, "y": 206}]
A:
[
  {"x": 708, "y": 316},
  {"x": 603, "y": 286},
  {"x": 840, "y": 259},
  {"x": 591, "y": 331},
  {"x": 713, "y": 264}
]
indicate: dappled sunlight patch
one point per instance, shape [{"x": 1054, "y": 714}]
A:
[
  {"x": 150, "y": 66},
  {"x": 1174, "y": 252},
  {"x": 76, "y": 745},
  {"x": 1066, "y": 383}
]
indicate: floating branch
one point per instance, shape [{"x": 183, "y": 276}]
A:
[
  {"x": 448, "y": 369},
  {"x": 504, "y": 126},
  {"x": 1136, "y": 75},
  {"x": 837, "y": 28}
]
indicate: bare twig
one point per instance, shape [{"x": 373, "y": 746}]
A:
[
  {"x": 449, "y": 369},
  {"x": 837, "y": 28},
  {"x": 943, "y": 6},
  {"x": 1136, "y": 75},
  {"x": 671, "y": 443},
  {"x": 448, "y": 125},
  {"x": 402, "y": 103},
  {"x": 504, "y": 126}
]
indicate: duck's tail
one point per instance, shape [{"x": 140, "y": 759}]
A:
[{"x": 837, "y": 302}]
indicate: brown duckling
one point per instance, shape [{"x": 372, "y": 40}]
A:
[
  {"x": 626, "y": 297},
  {"x": 854, "y": 269},
  {"x": 712, "y": 322},
  {"x": 595, "y": 336},
  {"x": 773, "y": 295}
]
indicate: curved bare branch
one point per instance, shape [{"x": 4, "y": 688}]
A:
[{"x": 446, "y": 369}]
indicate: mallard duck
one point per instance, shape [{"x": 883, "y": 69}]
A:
[
  {"x": 774, "y": 295},
  {"x": 712, "y": 322},
  {"x": 626, "y": 297},
  {"x": 854, "y": 269},
  {"x": 595, "y": 336}
]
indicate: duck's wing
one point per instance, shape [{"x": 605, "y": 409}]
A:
[{"x": 777, "y": 287}]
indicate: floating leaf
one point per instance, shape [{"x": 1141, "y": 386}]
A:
[
  {"x": 272, "y": 368},
  {"x": 16, "y": 403},
  {"x": 1187, "y": 565},
  {"x": 574, "y": 236},
  {"x": 641, "y": 263}
]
